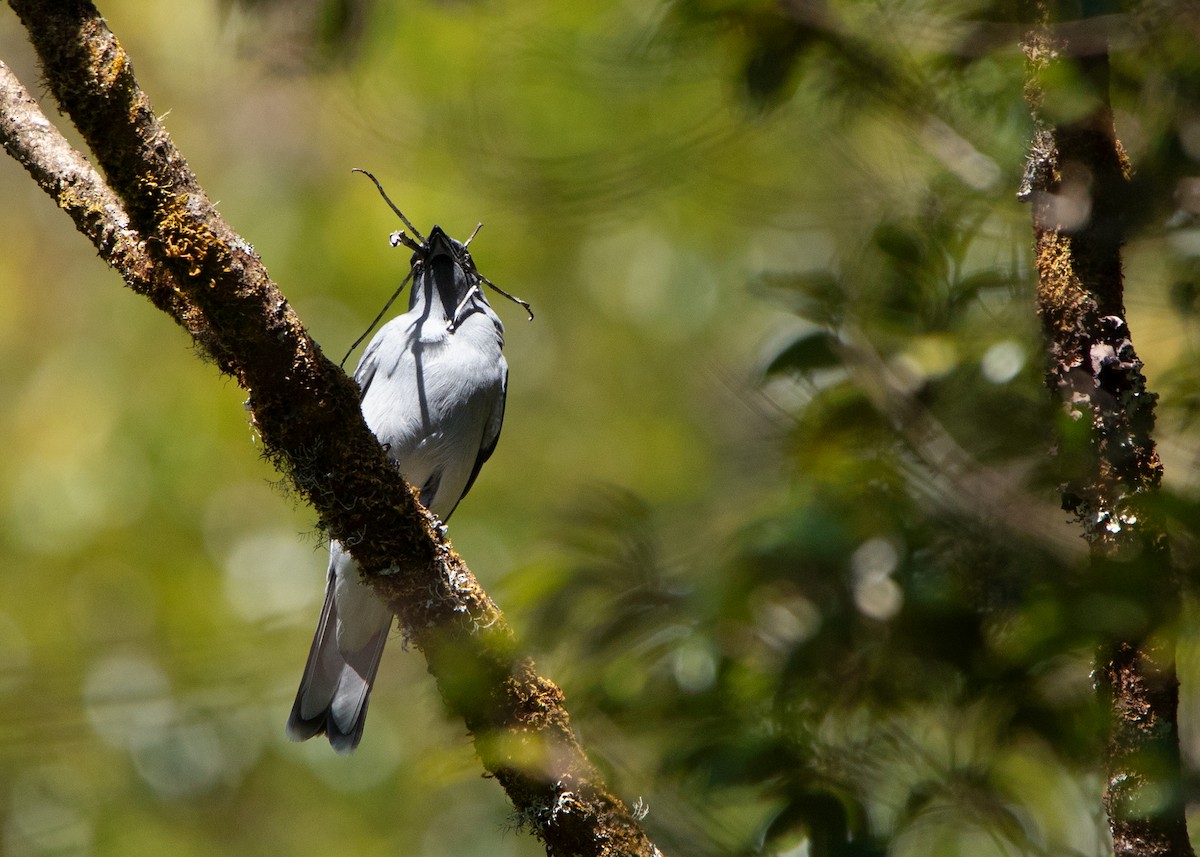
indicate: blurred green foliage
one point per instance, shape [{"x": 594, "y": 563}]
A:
[{"x": 774, "y": 500}]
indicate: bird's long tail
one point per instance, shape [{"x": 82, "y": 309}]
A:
[{"x": 342, "y": 663}]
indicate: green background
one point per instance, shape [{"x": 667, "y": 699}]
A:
[{"x": 762, "y": 599}]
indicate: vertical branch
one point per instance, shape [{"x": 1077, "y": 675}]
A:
[{"x": 1077, "y": 180}]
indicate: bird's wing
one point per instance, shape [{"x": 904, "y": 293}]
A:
[
  {"x": 364, "y": 374},
  {"x": 491, "y": 433}
]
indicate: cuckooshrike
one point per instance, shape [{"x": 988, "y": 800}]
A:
[{"x": 433, "y": 384}]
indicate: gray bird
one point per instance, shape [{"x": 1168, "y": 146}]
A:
[{"x": 433, "y": 385}]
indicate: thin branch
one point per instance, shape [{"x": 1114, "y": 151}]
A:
[
  {"x": 75, "y": 186},
  {"x": 183, "y": 255},
  {"x": 1077, "y": 181}
]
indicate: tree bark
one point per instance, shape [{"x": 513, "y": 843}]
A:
[
  {"x": 1077, "y": 181},
  {"x": 150, "y": 219}
]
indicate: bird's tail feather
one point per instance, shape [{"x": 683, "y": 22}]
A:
[{"x": 336, "y": 687}]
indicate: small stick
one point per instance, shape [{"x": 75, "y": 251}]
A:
[
  {"x": 512, "y": 298},
  {"x": 386, "y": 306},
  {"x": 399, "y": 213}
]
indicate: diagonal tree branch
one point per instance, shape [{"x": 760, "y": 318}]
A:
[
  {"x": 1077, "y": 181},
  {"x": 161, "y": 232}
]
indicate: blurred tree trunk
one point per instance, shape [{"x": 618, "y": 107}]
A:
[{"x": 1078, "y": 183}]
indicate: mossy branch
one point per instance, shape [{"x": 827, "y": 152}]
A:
[
  {"x": 150, "y": 219},
  {"x": 1077, "y": 181}
]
